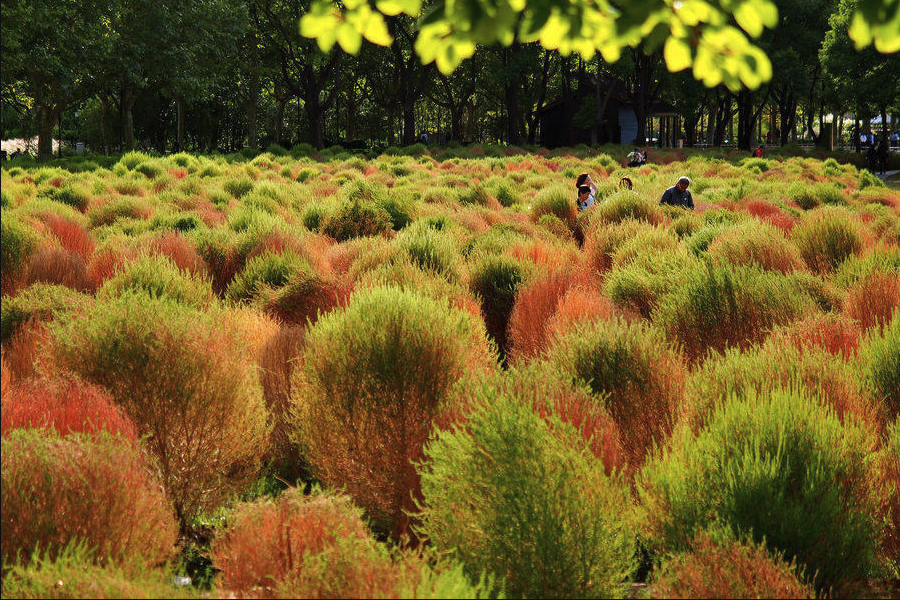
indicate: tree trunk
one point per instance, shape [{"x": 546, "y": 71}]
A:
[
  {"x": 514, "y": 115},
  {"x": 279, "y": 120},
  {"x": 179, "y": 124},
  {"x": 408, "y": 106},
  {"x": 314, "y": 115},
  {"x": 128, "y": 99},
  {"x": 47, "y": 119},
  {"x": 104, "y": 123}
]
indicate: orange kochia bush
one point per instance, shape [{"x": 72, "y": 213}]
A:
[
  {"x": 370, "y": 380},
  {"x": 183, "y": 379},
  {"x": 92, "y": 488},
  {"x": 302, "y": 547},
  {"x": 728, "y": 569}
]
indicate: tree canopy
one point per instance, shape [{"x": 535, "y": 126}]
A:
[{"x": 711, "y": 37}]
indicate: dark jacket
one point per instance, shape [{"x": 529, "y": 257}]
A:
[{"x": 675, "y": 198}]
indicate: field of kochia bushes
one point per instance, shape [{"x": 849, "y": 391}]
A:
[{"x": 424, "y": 374}]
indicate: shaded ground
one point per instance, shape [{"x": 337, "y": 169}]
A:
[{"x": 892, "y": 179}]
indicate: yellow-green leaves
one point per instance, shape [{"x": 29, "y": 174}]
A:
[
  {"x": 677, "y": 53},
  {"x": 327, "y": 24},
  {"x": 691, "y": 32},
  {"x": 877, "y": 21}
]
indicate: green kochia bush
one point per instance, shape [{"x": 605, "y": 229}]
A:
[
  {"x": 39, "y": 301},
  {"x": 826, "y": 237},
  {"x": 157, "y": 276},
  {"x": 356, "y": 218},
  {"x": 881, "y": 365},
  {"x": 723, "y": 306},
  {"x": 495, "y": 279},
  {"x": 74, "y": 573},
  {"x": 184, "y": 378},
  {"x": 779, "y": 468},
  {"x": 268, "y": 270},
  {"x": 369, "y": 382},
  {"x": 17, "y": 241},
  {"x": 519, "y": 496}
]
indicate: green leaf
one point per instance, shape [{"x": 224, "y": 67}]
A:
[
  {"x": 349, "y": 38},
  {"x": 677, "y": 53},
  {"x": 393, "y": 8},
  {"x": 749, "y": 20}
]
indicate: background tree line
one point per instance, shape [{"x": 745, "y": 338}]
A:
[{"x": 205, "y": 75}]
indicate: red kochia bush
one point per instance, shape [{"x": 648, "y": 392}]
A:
[
  {"x": 874, "y": 300},
  {"x": 835, "y": 333},
  {"x": 93, "y": 488},
  {"x": 277, "y": 361},
  {"x": 728, "y": 570},
  {"x": 66, "y": 406},
  {"x": 58, "y": 266},
  {"x": 302, "y": 547},
  {"x": 180, "y": 251},
  {"x": 72, "y": 236},
  {"x": 535, "y": 303}
]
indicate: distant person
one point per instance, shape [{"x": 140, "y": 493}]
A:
[
  {"x": 895, "y": 139},
  {"x": 585, "y": 198},
  {"x": 585, "y": 180},
  {"x": 758, "y": 152},
  {"x": 678, "y": 194},
  {"x": 636, "y": 158},
  {"x": 883, "y": 155},
  {"x": 872, "y": 159},
  {"x": 769, "y": 137}
]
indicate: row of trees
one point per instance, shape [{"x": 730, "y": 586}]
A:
[{"x": 224, "y": 74}]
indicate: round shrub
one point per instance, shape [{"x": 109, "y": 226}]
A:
[
  {"x": 72, "y": 573},
  {"x": 832, "y": 332},
  {"x": 300, "y": 546},
  {"x": 779, "y": 468},
  {"x": 511, "y": 495},
  {"x": 874, "y": 300},
  {"x": 65, "y": 406},
  {"x": 558, "y": 201},
  {"x": 639, "y": 284},
  {"x": 756, "y": 243},
  {"x": 432, "y": 250},
  {"x": 267, "y": 270},
  {"x": 626, "y": 204},
  {"x": 535, "y": 304},
  {"x": 17, "y": 241},
  {"x": 69, "y": 194},
  {"x": 369, "y": 382},
  {"x": 39, "y": 302},
  {"x": 96, "y": 489},
  {"x": 357, "y": 218},
  {"x": 184, "y": 380},
  {"x": 158, "y": 277},
  {"x": 880, "y": 360},
  {"x": 727, "y": 569},
  {"x": 826, "y": 237},
  {"x": 57, "y": 266},
  {"x": 776, "y": 365},
  {"x": 633, "y": 372},
  {"x": 722, "y": 306},
  {"x": 495, "y": 280},
  {"x": 887, "y": 472}
]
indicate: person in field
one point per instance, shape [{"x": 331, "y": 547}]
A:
[
  {"x": 678, "y": 194},
  {"x": 582, "y": 181},
  {"x": 585, "y": 198}
]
